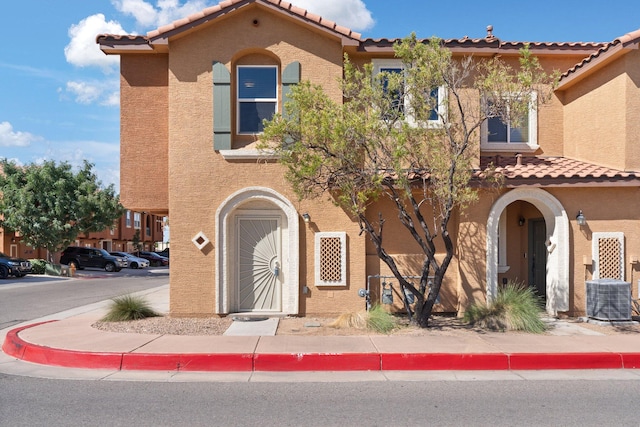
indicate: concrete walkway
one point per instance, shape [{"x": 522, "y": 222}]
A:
[{"x": 68, "y": 340}]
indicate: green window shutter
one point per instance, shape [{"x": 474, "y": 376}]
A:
[
  {"x": 290, "y": 77},
  {"x": 221, "y": 107}
]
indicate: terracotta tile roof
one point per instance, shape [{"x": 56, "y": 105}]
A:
[
  {"x": 607, "y": 49},
  {"x": 490, "y": 40},
  {"x": 223, "y": 8},
  {"x": 534, "y": 168},
  {"x": 227, "y": 5}
]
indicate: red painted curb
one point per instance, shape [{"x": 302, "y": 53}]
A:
[
  {"x": 20, "y": 349},
  {"x": 630, "y": 360},
  {"x": 16, "y": 347},
  {"x": 531, "y": 361},
  {"x": 188, "y": 362},
  {"x": 316, "y": 362},
  {"x": 444, "y": 361},
  {"x": 71, "y": 359}
]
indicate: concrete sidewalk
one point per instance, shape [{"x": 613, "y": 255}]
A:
[{"x": 68, "y": 340}]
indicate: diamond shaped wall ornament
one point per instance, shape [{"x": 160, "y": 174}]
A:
[{"x": 200, "y": 240}]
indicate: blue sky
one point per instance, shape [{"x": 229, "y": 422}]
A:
[{"x": 59, "y": 94}]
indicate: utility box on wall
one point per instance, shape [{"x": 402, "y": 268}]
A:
[{"x": 609, "y": 299}]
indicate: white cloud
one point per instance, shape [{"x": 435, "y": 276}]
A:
[
  {"x": 83, "y": 51},
  {"x": 165, "y": 11},
  {"x": 103, "y": 92},
  {"x": 85, "y": 92},
  {"x": 11, "y": 138},
  {"x": 352, "y": 14}
]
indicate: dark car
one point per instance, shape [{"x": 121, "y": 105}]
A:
[
  {"x": 154, "y": 259},
  {"x": 164, "y": 252},
  {"x": 10, "y": 266},
  {"x": 91, "y": 257}
]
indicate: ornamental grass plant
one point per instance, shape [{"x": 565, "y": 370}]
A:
[
  {"x": 377, "y": 319},
  {"x": 128, "y": 307},
  {"x": 515, "y": 308}
]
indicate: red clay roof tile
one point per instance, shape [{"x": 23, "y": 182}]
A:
[
  {"x": 537, "y": 167},
  {"x": 283, "y": 5}
]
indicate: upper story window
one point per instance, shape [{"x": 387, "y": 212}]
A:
[
  {"x": 136, "y": 220},
  {"x": 500, "y": 136},
  {"x": 257, "y": 96},
  {"x": 402, "y": 101},
  {"x": 128, "y": 218}
]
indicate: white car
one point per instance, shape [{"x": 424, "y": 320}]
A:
[{"x": 133, "y": 261}]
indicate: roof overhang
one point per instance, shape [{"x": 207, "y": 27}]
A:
[
  {"x": 158, "y": 40},
  {"x": 600, "y": 59}
]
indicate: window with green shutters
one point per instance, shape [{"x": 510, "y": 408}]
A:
[{"x": 256, "y": 98}]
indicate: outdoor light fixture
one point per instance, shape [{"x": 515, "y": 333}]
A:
[
  {"x": 306, "y": 218},
  {"x": 580, "y": 219},
  {"x": 521, "y": 221}
]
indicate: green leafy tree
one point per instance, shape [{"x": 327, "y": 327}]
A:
[
  {"x": 381, "y": 142},
  {"x": 137, "y": 245},
  {"x": 50, "y": 204}
]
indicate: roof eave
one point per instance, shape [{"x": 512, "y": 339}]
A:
[
  {"x": 589, "y": 67},
  {"x": 118, "y": 44},
  {"x": 348, "y": 37}
]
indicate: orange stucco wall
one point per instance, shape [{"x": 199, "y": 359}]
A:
[
  {"x": 201, "y": 179},
  {"x": 144, "y": 138},
  {"x": 601, "y": 116}
]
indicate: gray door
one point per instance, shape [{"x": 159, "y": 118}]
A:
[
  {"x": 538, "y": 256},
  {"x": 259, "y": 264}
]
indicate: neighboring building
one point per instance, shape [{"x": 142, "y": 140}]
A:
[
  {"x": 186, "y": 121},
  {"x": 118, "y": 238}
]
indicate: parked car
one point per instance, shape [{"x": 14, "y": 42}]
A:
[
  {"x": 10, "y": 266},
  {"x": 164, "y": 252},
  {"x": 91, "y": 257},
  {"x": 154, "y": 259},
  {"x": 133, "y": 261}
]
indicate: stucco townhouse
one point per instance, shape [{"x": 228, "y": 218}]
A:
[{"x": 193, "y": 94}]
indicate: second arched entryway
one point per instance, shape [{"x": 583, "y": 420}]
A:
[{"x": 556, "y": 230}]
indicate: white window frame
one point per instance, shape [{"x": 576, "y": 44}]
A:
[
  {"x": 516, "y": 147},
  {"x": 343, "y": 258},
  {"x": 257, "y": 100},
  {"x": 381, "y": 63},
  {"x": 137, "y": 220},
  {"x": 128, "y": 218}
]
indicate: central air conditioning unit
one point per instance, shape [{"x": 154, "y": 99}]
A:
[{"x": 609, "y": 299}]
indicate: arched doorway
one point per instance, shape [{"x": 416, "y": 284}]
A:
[
  {"x": 257, "y": 253},
  {"x": 553, "y": 225}
]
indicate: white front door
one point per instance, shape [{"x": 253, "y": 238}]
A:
[{"x": 259, "y": 268}]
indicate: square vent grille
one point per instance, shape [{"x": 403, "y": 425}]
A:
[{"x": 609, "y": 299}]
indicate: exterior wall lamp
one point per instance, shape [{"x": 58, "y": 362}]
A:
[
  {"x": 580, "y": 219},
  {"x": 521, "y": 221},
  {"x": 306, "y": 218}
]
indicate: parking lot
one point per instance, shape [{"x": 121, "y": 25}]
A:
[{"x": 94, "y": 273}]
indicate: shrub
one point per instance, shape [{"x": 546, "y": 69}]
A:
[
  {"x": 128, "y": 307},
  {"x": 376, "y": 319},
  {"x": 38, "y": 266},
  {"x": 380, "y": 320},
  {"x": 515, "y": 308}
]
